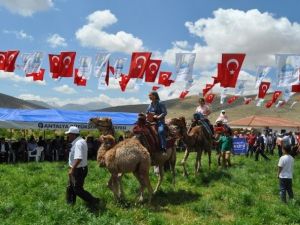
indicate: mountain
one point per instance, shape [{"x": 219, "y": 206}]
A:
[
  {"x": 7, "y": 101},
  {"x": 236, "y": 110},
  {"x": 86, "y": 107},
  {"x": 41, "y": 103}
]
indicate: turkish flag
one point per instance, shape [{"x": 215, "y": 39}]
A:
[
  {"x": 107, "y": 73},
  {"x": 152, "y": 70},
  {"x": 207, "y": 88},
  {"x": 183, "y": 94},
  {"x": 54, "y": 63},
  {"x": 296, "y": 88},
  {"x": 263, "y": 88},
  {"x": 231, "y": 64},
  {"x": 39, "y": 75},
  {"x": 276, "y": 95},
  {"x": 11, "y": 57},
  {"x": 112, "y": 69},
  {"x": 232, "y": 99},
  {"x": 139, "y": 61},
  {"x": 124, "y": 81},
  {"x": 269, "y": 104},
  {"x": 55, "y": 75},
  {"x": 66, "y": 64},
  {"x": 247, "y": 100},
  {"x": 2, "y": 60},
  {"x": 79, "y": 80},
  {"x": 155, "y": 88},
  {"x": 215, "y": 80},
  {"x": 164, "y": 78},
  {"x": 210, "y": 98}
]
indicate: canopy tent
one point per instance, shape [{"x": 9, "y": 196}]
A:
[{"x": 52, "y": 119}]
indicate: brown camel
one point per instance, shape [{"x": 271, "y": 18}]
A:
[
  {"x": 158, "y": 158},
  {"x": 197, "y": 139},
  {"x": 124, "y": 158}
]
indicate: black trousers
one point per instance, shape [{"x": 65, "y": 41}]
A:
[
  {"x": 75, "y": 187},
  {"x": 285, "y": 185},
  {"x": 260, "y": 151}
]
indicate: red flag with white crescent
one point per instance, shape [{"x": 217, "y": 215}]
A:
[
  {"x": 66, "y": 65},
  {"x": 263, "y": 88},
  {"x": 269, "y": 104},
  {"x": 296, "y": 88},
  {"x": 164, "y": 78},
  {"x": 2, "y": 60},
  {"x": 39, "y": 75},
  {"x": 247, "y": 100},
  {"x": 232, "y": 99},
  {"x": 231, "y": 64},
  {"x": 152, "y": 70},
  {"x": 124, "y": 81},
  {"x": 276, "y": 95},
  {"x": 183, "y": 94},
  {"x": 79, "y": 80},
  {"x": 139, "y": 61},
  {"x": 155, "y": 88},
  {"x": 210, "y": 98},
  {"x": 11, "y": 57},
  {"x": 54, "y": 61},
  {"x": 207, "y": 88}
]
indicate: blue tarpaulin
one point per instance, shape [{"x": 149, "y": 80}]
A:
[{"x": 60, "y": 119}]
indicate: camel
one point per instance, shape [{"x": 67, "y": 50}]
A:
[
  {"x": 197, "y": 139},
  {"x": 123, "y": 158},
  {"x": 158, "y": 158}
]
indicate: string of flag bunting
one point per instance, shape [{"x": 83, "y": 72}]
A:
[{"x": 143, "y": 68}]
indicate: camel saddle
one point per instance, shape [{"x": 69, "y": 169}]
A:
[{"x": 147, "y": 131}]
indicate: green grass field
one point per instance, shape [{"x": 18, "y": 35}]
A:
[{"x": 247, "y": 193}]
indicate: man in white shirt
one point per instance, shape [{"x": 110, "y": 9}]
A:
[
  {"x": 78, "y": 169},
  {"x": 285, "y": 173}
]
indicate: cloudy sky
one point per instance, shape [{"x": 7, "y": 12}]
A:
[{"x": 206, "y": 27}]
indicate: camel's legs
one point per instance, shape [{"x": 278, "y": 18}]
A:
[
  {"x": 209, "y": 159},
  {"x": 160, "y": 177},
  {"x": 120, "y": 186},
  {"x": 183, "y": 162},
  {"x": 172, "y": 162},
  {"x": 198, "y": 162},
  {"x": 115, "y": 185}
]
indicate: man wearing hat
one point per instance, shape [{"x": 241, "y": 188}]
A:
[{"x": 78, "y": 168}]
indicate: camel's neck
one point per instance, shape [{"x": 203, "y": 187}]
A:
[
  {"x": 109, "y": 131},
  {"x": 187, "y": 139}
]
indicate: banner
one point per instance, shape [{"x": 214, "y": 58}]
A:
[
  {"x": 100, "y": 63},
  {"x": 240, "y": 87},
  {"x": 240, "y": 146},
  {"x": 33, "y": 62},
  {"x": 119, "y": 65},
  {"x": 287, "y": 69},
  {"x": 184, "y": 66},
  {"x": 85, "y": 66},
  {"x": 262, "y": 72}
]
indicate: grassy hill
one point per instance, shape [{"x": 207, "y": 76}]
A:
[
  {"x": 7, "y": 101},
  {"x": 236, "y": 110},
  {"x": 247, "y": 193}
]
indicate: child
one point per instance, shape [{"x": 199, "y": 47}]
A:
[
  {"x": 285, "y": 173},
  {"x": 226, "y": 144}
]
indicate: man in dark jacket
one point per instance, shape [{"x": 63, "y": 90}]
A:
[{"x": 4, "y": 149}]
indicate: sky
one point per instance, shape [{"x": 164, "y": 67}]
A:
[{"x": 260, "y": 29}]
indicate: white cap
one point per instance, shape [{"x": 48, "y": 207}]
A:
[
  {"x": 223, "y": 110},
  {"x": 72, "y": 130}
]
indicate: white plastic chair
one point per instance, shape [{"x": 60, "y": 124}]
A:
[{"x": 36, "y": 153}]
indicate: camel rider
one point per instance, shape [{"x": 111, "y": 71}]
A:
[
  {"x": 157, "y": 111},
  {"x": 201, "y": 116}
]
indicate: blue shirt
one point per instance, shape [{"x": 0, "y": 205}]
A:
[{"x": 158, "y": 109}]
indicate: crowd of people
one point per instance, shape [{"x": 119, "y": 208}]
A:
[{"x": 56, "y": 149}]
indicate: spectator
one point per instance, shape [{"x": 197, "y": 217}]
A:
[
  {"x": 4, "y": 150},
  {"x": 285, "y": 173},
  {"x": 269, "y": 140},
  {"x": 251, "y": 142},
  {"x": 223, "y": 117},
  {"x": 226, "y": 144},
  {"x": 260, "y": 147},
  {"x": 31, "y": 145}
]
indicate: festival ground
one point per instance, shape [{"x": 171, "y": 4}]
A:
[{"x": 246, "y": 193}]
